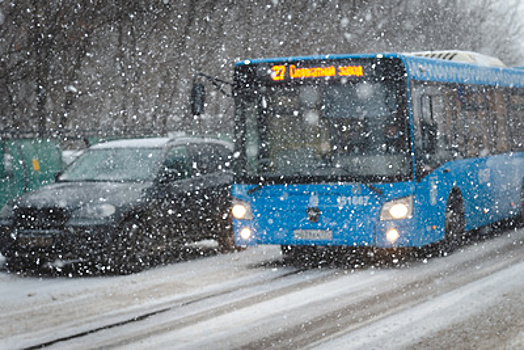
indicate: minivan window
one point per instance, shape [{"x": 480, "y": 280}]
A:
[
  {"x": 177, "y": 163},
  {"x": 114, "y": 164}
]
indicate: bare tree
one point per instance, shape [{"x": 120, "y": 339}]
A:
[
  {"x": 122, "y": 65},
  {"x": 43, "y": 51}
]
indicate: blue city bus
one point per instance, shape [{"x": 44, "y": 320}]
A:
[{"x": 375, "y": 150}]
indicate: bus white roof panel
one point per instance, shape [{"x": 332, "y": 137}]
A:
[{"x": 430, "y": 69}]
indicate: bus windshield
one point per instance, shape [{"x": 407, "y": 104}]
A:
[{"x": 324, "y": 130}]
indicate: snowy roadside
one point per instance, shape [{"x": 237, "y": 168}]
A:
[
  {"x": 472, "y": 297},
  {"x": 437, "y": 319}
]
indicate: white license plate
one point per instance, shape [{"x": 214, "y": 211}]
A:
[
  {"x": 35, "y": 241},
  {"x": 313, "y": 234}
]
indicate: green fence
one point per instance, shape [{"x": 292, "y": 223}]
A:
[{"x": 26, "y": 164}]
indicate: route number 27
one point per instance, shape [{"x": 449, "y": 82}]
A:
[{"x": 278, "y": 72}]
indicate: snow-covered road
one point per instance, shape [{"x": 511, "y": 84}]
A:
[{"x": 472, "y": 298}]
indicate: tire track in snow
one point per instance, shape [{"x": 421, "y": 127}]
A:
[
  {"x": 273, "y": 307},
  {"x": 340, "y": 304}
]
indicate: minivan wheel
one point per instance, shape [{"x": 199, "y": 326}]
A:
[
  {"x": 225, "y": 237},
  {"x": 132, "y": 248},
  {"x": 19, "y": 264},
  {"x": 226, "y": 241}
]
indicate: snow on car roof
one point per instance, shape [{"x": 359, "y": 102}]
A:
[
  {"x": 187, "y": 140},
  {"x": 157, "y": 142}
]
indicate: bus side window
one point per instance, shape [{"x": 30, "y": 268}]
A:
[
  {"x": 499, "y": 121},
  {"x": 477, "y": 127},
  {"x": 428, "y": 126},
  {"x": 455, "y": 124},
  {"x": 434, "y": 107},
  {"x": 434, "y": 131},
  {"x": 516, "y": 125}
]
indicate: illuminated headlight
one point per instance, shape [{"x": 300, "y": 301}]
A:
[
  {"x": 245, "y": 233},
  {"x": 397, "y": 209},
  {"x": 95, "y": 211},
  {"x": 241, "y": 210},
  {"x": 392, "y": 235}
]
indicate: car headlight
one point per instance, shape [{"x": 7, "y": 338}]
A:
[
  {"x": 95, "y": 211},
  {"x": 241, "y": 210},
  {"x": 397, "y": 209}
]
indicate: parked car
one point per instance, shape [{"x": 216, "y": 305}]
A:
[{"x": 122, "y": 205}]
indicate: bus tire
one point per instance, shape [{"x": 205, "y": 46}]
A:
[{"x": 454, "y": 221}]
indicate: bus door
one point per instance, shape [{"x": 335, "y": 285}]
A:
[
  {"x": 440, "y": 165},
  {"x": 432, "y": 150}
]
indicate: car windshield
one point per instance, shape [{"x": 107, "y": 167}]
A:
[{"x": 114, "y": 164}]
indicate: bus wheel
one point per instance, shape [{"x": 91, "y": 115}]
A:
[{"x": 454, "y": 224}]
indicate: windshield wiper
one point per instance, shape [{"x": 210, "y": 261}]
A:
[
  {"x": 370, "y": 186},
  {"x": 256, "y": 188},
  {"x": 374, "y": 189},
  {"x": 264, "y": 182}
]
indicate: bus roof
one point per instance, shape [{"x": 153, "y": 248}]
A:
[
  {"x": 463, "y": 67},
  {"x": 461, "y": 56}
]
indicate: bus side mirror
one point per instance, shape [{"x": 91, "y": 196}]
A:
[
  {"x": 198, "y": 98},
  {"x": 456, "y": 153}
]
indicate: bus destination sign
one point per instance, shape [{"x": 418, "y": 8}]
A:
[{"x": 292, "y": 72}]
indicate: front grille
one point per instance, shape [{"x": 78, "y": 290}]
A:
[{"x": 40, "y": 218}]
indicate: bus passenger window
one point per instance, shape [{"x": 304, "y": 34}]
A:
[
  {"x": 428, "y": 126},
  {"x": 499, "y": 122},
  {"x": 455, "y": 121},
  {"x": 516, "y": 126}
]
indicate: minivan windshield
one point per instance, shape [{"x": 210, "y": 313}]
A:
[{"x": 114, "y": 164}]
